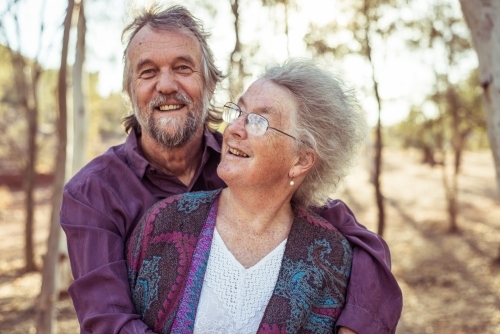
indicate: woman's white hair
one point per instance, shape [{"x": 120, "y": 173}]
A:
[{"x": 328, "y": 120}]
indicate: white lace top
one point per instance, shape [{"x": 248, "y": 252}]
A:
[{"x": 233, "y": 299}]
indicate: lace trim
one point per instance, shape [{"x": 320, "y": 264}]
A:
[{"x": 233, "y": 299}]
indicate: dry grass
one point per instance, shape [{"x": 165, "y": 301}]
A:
[{"x": 449, "y": 281}]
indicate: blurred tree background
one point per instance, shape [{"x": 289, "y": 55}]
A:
[{"x": 413, "y": 64}]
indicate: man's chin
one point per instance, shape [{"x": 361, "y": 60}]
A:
[
  {"x": 173, "y": 136},
  {"x": 170, "y": 121}
]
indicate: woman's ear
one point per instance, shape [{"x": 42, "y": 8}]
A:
[{"x": 303, "y": 163}]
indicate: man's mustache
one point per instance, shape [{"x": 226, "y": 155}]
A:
[{"x": 177, "y": 98}]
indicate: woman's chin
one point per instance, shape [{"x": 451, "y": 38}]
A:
[{"x": 225, "y": 172}]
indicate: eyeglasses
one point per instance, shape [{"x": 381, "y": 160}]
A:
[{"x": 255, "y": 124}]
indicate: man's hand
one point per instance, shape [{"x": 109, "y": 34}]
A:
[{"x": 345, "y": 330}]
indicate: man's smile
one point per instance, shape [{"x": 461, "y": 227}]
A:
[{"x": 168, "y": 107}]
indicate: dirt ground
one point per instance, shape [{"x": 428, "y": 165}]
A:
[{"x": 450, "y": 282}]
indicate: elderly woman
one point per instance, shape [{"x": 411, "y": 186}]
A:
[{"x": 251, "y": 257}]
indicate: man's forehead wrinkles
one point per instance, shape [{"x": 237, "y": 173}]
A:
[
  {"x": 188, "y": 59},
  {"x": 143, "y": 62},
  {"x": 183, "y": 58}
]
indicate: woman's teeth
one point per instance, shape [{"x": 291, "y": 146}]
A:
[{"x": 238, "y": 153}]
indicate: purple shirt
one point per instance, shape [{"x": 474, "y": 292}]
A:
[{"x": 106, "y": 199}]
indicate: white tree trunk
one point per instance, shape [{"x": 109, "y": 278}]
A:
[
  {"x": 483, "y": 19},
  {"x": 77, "y": 139},
  {"x": 45, "y": 315},
  {"x": 80, "y": 112}
]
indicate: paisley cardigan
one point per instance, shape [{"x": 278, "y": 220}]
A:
[{"x": 167, "y": 256}]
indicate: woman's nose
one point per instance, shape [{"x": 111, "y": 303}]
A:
[{"x": 237, "y": 127}]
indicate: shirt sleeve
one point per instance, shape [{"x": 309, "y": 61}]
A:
[
  {"x": 374, "y": 300},
  {"x": 100, "y": 291}
]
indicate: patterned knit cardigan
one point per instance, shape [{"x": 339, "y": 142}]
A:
[{"x": 168, "y": 252}]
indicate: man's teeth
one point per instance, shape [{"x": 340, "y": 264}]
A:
[
  {"x": 170, "y": 107},
  {"x": 238, "y": 153}
]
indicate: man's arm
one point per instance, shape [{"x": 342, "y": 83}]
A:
[
  {"x": 344, "y": 330},
  {"x": 100, "y": 292},
  {"x": 374, "y": 300}
]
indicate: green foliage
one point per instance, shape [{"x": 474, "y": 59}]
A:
[
  {"x": 12, "y": 119},
  {"x": 441, "y": 33},
  {"x": 104, "y": 128},
  {"x": 461, "y": 101},
  {"x": 358, "y": 22},
  {"x": 442, "y": 25},
  {"x": 106, "y": 112}
]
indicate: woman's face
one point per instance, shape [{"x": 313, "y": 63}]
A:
[{"x": 260, "y": 161}]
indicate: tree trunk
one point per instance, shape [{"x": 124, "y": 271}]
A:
[
  {"x": 29, "y": 173},
  {"x": 236, "y": 67},
  {"x": 76, "y": 157},
  {"x": 80, "y": 114},
  {"x": 48, "y": 296},
  {"x": 378, "y": 171},
  {"x": 483, "y": 19},
  {"x": 450, "y": 189},
  {"x": 457, "y": 153},
  {"x": 31, "y": 167},
  {"x": 286, "y": 4},
  {"x": 27, "y": 104},
  {"x": 379, "y": 197}
]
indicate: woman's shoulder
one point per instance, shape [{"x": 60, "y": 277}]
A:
[
  {"x": 311, "y": 225},
  {"x": 314, "y": 219}
]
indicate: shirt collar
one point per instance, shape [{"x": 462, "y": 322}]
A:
[{"x": 138, "y": 163}]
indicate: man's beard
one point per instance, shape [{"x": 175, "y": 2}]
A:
[{"x": 179, "y": 132}]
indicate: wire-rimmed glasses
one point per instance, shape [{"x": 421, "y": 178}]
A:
[{"x": 255, "y": 124}]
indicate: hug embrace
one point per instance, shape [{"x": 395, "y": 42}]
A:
[{"x": 182, "y": 229}]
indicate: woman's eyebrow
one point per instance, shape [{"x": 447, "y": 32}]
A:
[
  {"x": 268, "y": 110},
  {"x": 261, "y": 110},
  {"x": 241, "y": 100}
]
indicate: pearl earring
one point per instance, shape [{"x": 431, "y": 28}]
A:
[{"x": 291, "y": 182}]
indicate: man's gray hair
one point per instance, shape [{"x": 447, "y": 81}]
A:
[
  {"x": 329, "y": 121},
  {"x": 180, "y": 19}
]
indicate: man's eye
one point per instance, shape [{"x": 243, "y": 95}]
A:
[
  {"x": 183, "y": 69},
  {"x": 147, "y": 73}
]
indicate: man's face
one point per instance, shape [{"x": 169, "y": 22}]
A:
[{"x": 167, "y": 85}]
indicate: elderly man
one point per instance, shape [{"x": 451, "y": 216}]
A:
[{"x": 171, "y": 149}]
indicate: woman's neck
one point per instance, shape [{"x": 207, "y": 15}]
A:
[
  {"x": 251, "y": 228},
  {"x": 253, "y": 213}
]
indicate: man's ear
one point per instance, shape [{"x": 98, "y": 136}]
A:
[{"x": 303, "y": 163}]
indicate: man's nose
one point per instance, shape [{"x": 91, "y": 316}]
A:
[{"x": 167, "y": 82}]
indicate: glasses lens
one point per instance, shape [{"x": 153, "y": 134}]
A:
[
  {"x": 230, "y": 112},
  {"x": 256, "y": 124}
]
